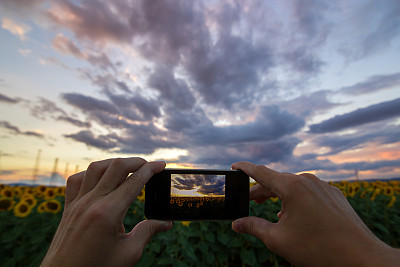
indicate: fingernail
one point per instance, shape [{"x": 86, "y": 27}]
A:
[
  {"x": 165, "y": 226},
  {"x": 238, "y": 227}
]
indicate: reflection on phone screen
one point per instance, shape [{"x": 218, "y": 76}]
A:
[{"x": 197, "y": 196}]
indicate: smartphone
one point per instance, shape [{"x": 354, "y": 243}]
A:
[{"x": 187, "y": 195}]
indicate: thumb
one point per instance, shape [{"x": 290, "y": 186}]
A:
[
  {"x": 257, "y": 227},
  {"x": 145, "y": 230}
]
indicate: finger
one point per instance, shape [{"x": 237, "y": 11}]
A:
[
  {"x": 130, "y": 188},
  {"x": 93, "y": 175},
  {"x": 117, "y": 172},
  {"x": 260, "y": 193},
  {"x": 74, "y": 183},
  {"x": 257, "y": 227},
  {"x": 269, "y": 178},
  {"x": 145, "y": 230}
]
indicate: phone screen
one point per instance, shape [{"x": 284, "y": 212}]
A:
[
  {"x": 181, "y": 194},
  {"x": 197, "y": 195}
]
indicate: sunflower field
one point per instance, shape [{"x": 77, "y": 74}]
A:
[{"x": 29, "y": 217}]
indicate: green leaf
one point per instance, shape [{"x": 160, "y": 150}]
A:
[{"x": 248, "y": 256}]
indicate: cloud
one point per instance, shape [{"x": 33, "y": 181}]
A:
[
  {"x": 373, "y": 113},
  {"x": 87, "y": 137},
  {"x": 44, "y": 108},
  {"x": 18, "y": 29},
  {"x": 373, "y": 84},
  {"x": 4, "y": 98},
  {"x": 66, "y": 46},
  {"x": 308, "y": 105},
  {"x": 376, "y": 133},
  {"x": 206, "y": 184},
  {"x": 17, "y": 131}
]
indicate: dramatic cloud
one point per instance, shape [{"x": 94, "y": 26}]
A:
[
  {"x": 373, "y": 84},
  {"x": 377, "y": 112},
  {"x": 205, "y": 184},
  {"x": 7, "y": 99},
  {"x": 222, "y": 81},
  {"x": 17, "y": 131},
  {"x": 87, "y": 137},
  {"x": 44, "y": 108}
]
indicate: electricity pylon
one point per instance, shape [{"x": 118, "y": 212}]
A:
[
  {"x": 54, "y": 173},
  {"x": 36, "y": 167}
]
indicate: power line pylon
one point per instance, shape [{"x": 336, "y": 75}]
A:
[
  {"x": 54, "y": 173},
  {"x": 36, "y": 167},
  {"x": 66, "y": 171}
]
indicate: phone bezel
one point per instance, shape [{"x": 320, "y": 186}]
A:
[{"x": 157, "y": 195}]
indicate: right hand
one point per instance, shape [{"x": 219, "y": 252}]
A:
[{"x": 317, "y": 225}]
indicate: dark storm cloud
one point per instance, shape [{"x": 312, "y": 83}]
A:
[
  {"x": 88, "y": 103},
  {"x": 373, "y": 113},
  {"x": 44, "y": 108},
  {"x": 17, "y": 131},
  {"x": 4, "y": 98},
  {"x": 118, "y": 110},
  {"x": 75, "y": 122},
  {"x": 207, "y": 184},
  {"x": 222, "y": 156},
  {"x": 364, "y": 135},
  {"x": 308, "y": 105},
  {"x": 373, "y": 84},
  {"x": 271, "y": 123},
  {"x": 173, "y": 91},
  {"x": 101, "y": 141}
]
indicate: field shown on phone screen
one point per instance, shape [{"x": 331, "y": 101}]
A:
[{"x": 197, "y": 196}]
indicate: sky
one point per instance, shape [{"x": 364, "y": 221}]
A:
[
  {"x": 298, "y": 86},
  {"x": 198, "y": 185}
]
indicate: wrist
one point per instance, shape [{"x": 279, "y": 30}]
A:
[{"x": 382, "y": 255}]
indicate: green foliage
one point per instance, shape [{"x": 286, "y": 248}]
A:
[{"x": 24, "y": 241}]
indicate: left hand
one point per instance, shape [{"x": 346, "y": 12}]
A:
[{"x": 91, "y": 231}]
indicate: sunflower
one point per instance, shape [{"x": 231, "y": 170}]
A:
[
  {"x": 392, "y": 201},
  {"x": 6, "y": 204},
  {"x": 141, "y": 196},
  {"x": 39, "y": 190},
  {"x": 363, "y": 194},
  {"x": 351, "y": 190},
  {"x": 28, "y": 190},
  {"x": 41, "y": 208},
  {"x": 7, "y": 192},
  {"x": 376, "y": 193},
  {"x": 60, "y": 191},
  {"x": 52, "y": 206},
  {"x": 185, "y": 223},
  {"x": 31, "y": 200},
  {"x": 388, "y": 190},
  {"x": 22, "y": 209},
  {"x": 49, "y": 193},
  {"x": 274, "y": 199}
]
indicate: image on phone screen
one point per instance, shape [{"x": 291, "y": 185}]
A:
[{"x": 197, "y": 195}]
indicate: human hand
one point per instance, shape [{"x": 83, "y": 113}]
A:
[
  {"x": 91, "y": 231},
  {"x": 317, "y": 226}
]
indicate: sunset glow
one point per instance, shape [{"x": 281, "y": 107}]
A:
[{"x": 200, "y": 85}]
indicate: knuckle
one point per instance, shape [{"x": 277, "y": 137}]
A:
[
  {"x": 97, "y": 214},
  {"x": 119, "y": 163},
  {"x": 74, "y": 180},
  {"x": 95, "y": 166}
]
